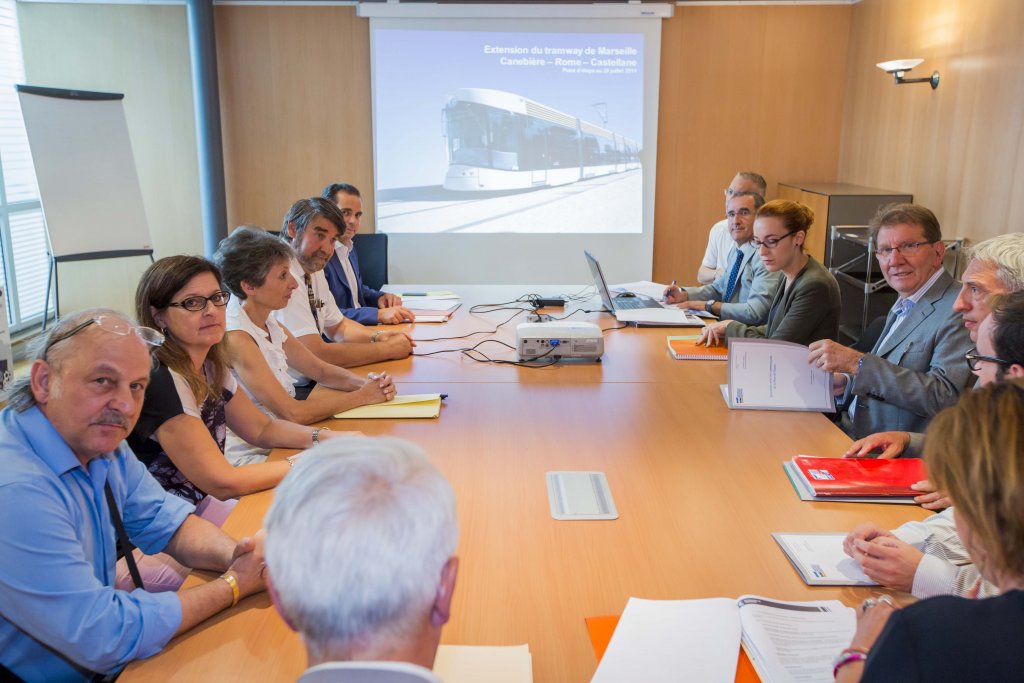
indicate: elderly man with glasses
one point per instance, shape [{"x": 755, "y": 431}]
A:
[
  {"x": 916, "y": 367},
  {"x": 71, "y": 491}
]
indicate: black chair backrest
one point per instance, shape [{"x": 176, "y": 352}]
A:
[
  {"x": 372, "y": 252},
  {"x": 870, "y": 335}
]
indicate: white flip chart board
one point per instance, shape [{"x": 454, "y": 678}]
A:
[{"x": 88, "y": 185}]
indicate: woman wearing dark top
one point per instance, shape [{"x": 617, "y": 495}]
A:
[
  {"x": 806, "y": 307},
  {"x": 975, "y": 452},
  {"x": 192, "y": 397}
]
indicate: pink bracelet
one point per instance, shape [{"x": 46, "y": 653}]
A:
[{"x": 848, "y": 656}]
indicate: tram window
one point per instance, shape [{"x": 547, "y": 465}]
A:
[
  {"x": 590, "y": 150},
  {"x": 534, "y": 154},
  {"x": 504, "y": 139},
  {"x": 467, "y": 135},
  {"x": 564, "y": 145}
]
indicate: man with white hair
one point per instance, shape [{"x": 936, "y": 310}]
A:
[
  {"x": 360, "y": 554},
  {"x": 70, "y": 486}
]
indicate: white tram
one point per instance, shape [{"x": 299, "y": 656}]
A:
[{"x": 497, "y": 140}]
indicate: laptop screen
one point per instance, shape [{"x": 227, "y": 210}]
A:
[{"x": 599, "y": 282}]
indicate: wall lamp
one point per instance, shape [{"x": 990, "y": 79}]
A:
[{"x": 897, "y": 67}]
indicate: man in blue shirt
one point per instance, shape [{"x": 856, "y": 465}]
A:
[
  {"x": 356, "y": 300},
  {"x": 61, "y": 444}
]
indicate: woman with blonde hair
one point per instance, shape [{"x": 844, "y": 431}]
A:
[
  {"x": 975, "y": 452},
  {"x": 806, "y": 305}
]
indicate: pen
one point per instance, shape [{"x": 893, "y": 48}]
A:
[
  {"x": 665, "y": 297},
  {"x": 413, "y": 294}
]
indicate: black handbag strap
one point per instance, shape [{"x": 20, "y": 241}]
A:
[{"x": 124, "y": 545}]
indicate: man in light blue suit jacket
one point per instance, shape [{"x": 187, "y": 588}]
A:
[
  {"x": 745, "y": 291},
  {"x": 916, "y": 368},
  {"x": 356, "y": 300}
]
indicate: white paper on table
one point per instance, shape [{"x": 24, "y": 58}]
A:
[
  {"x": 820, "y": 559},
  {"x": 654, "y": 317},
  {"x": 794, "y": 642},
  {"x": 474, "y": 663},
  {"x": 419, "y": 304},
  {"x": 767, "y": 374},
  {"x": 645, "y": 287},
  {"x": 673, "y": 640},
  {"x": 438, "y": 294},
  {"x": 432, "y": 318}
]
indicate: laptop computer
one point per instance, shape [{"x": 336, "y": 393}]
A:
[{"x": 638, "y": 308}]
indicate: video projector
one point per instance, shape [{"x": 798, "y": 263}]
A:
[{"x": 559, "y": 340}]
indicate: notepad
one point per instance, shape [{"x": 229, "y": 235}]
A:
[
  {"x": 686, "y": 348},
  {"x": 474, "y": 663},
  {"x": 432, "y": 305},
  {"x": 805, "y": 492},
  {"x": 443, "y": 318},
  {"x": 411, "y": 405}
]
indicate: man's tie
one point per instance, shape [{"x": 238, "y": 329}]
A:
[
  {"x": 733, "y": 276},
  {"x": 312, "y": 298}
]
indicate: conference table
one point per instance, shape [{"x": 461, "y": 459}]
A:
[{"x": 699, "y": 489}]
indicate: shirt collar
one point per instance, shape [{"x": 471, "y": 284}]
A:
[
  {"x": 342, "y": 249},
  {"x": 919, "y": 294},
  {"x": 48, "y": 445}
]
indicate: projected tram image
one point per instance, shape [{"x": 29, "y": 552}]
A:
[
  {"x": 501, "y": 141},
  {"x": 508, "y": 163}
]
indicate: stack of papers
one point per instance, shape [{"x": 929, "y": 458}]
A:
[
  {"x": 765, "y": 374},
  {"x": 472, "y": 664},
  {"x": 698, "y": 640},
  {"x": 411, "y": 405},
  {"x": 433, "y": 306}
]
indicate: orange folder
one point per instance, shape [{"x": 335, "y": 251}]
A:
[{"x": 602, "y": 628}]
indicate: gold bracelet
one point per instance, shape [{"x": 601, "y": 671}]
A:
[{"x": 233, "y": 582}]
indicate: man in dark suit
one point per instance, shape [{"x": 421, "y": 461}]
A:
[
  {"x": 916, "y": 367},
  {"x": 356, "y": 300}
]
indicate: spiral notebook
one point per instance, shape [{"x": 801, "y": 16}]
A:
[{"x": 686, "y": 348}]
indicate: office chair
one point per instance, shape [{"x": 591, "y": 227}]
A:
[{"x": 372, "y": 253}]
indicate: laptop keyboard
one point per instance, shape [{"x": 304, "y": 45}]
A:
[{"x": 626, "y": 303}]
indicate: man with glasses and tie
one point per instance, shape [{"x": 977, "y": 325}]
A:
[
  {"x": 916, "y": 367},
  {"x": 744, "y": 292},
  {"x": 71, "y": 490},
  {"x": 929, "y": 558},
  {"x": 312, "y": 315},
  {"x": 720, "y": 242}
]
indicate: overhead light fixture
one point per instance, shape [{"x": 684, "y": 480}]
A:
[{"x": 897, "y": 67}]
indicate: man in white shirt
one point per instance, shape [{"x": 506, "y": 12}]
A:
[
  {"x": 360, "y": 552},
  {"x": 357, "y": 301},
  {"x": 720, "y": 242},
  {"x": 312, "y": 226}
]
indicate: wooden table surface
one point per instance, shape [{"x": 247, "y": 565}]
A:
[{"x": 699, "y": 489}]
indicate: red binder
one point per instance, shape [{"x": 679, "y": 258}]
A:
[{"x": 861, "y": 476}]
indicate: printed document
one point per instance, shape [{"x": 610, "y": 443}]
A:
[
  {"x": 765, "y": 374},
  {"x": 820, "y": 560},
  {"x": 698, "y": 640}
]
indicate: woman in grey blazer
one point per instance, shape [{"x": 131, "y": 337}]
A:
[{"x": 806, "y": 307}]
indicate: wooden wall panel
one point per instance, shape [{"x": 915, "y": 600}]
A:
[
  {"x": 295, "y": 106},
  {"x": 958, "y": 149},
  {"x": 141, "y": 51},
  {"x": 742, "y": 88}
]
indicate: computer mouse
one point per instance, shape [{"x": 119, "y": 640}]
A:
[{"x": 625, "y": 295}]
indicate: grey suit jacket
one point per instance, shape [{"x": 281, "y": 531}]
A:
[
  {"x": 802, "y": 313},
  {"x": 753, "y": 294},
  {"x": 919, "y": 370}
]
